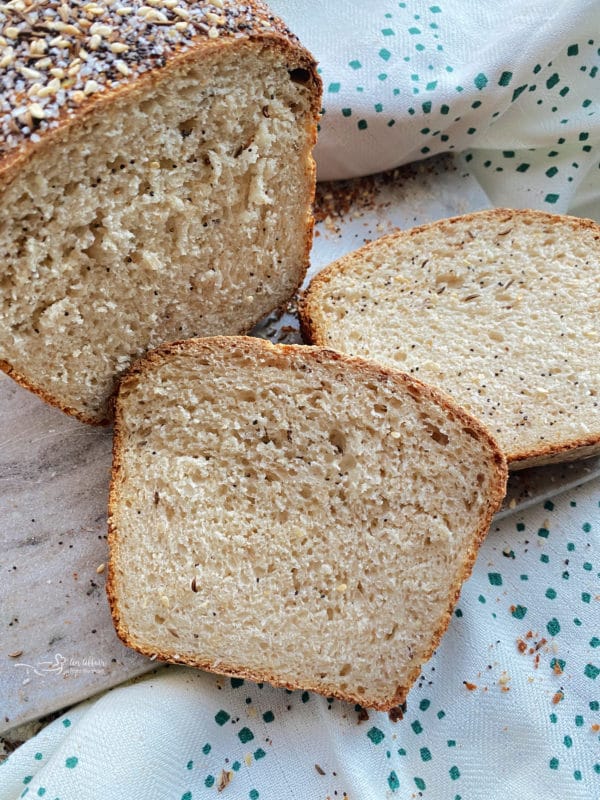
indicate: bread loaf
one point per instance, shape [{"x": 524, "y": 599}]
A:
[
  {"x": 288, "y": 514},
  {"x": 156, "y": 180},
  {"x": 501, "y": 309}
]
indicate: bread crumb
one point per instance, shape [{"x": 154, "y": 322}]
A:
[{"x": 224, "y": 779}]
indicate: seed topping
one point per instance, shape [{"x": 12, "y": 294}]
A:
[{"x": 56, "y": 56}]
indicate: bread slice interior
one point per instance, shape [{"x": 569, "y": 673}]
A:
[
  {"x": 180, "y": 208},
  {"x": 290, "y": 515},
  {"x": 501, "y": 309}
]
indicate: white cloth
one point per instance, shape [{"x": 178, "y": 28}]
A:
[
  {"x": 509, "y": 705},
  {"x": 513, "y": 85},
  {"x": 507, "y": 708}
]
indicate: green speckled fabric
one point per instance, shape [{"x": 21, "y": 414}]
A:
[{"x": 513, "y": 86}]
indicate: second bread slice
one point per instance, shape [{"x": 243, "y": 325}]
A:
[
  {"x": 501, "y": 309},
  {"x": 287, "y": 514}
]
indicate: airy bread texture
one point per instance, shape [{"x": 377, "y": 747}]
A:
[
  {"x": 288, "y": 514},
  {"x": 175, "y": 205},
  {"x": 501, "y": 309}
]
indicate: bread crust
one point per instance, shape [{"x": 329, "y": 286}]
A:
[
  {"x": 369, "y": 370},
  {"x": 261, "y": 28},
  {"x": 314, "y": 330},
  {"x": 275, "y": 36}
]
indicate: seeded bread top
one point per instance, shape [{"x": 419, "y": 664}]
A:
[{"x": 57, "y": 57}]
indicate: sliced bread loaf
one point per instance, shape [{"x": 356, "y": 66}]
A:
[
  {"x": 288, "y": 514},
  {"x": 156, "y": 181},
  {"x": 501, "y": 309}
]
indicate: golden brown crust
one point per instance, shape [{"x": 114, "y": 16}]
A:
[
  {"x": 322, "y": 355},
  {"x": 586, "y": 447},
  {"x": 313, "y": 328},
  {"x": 48, "y": 398}
]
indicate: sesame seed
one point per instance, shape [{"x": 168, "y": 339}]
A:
[
  {"x": 91, "y": 87},
  {"x": 62, "y": 53},
  {"x": 7, "y": 58},
  {"x": 36, "y": 111},
  {"x": 27, "y": 72},
  {"x": 52, "y": 88},
  {"x": 33, "y": 90},
  {"x": 38, "y": 47},
  {"x": 98, "y": 29},
  {"x": 157, "y": 17},
  {"x": 71, "y": 30}
]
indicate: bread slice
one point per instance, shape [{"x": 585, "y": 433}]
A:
[
  {"x": 161, "y": 188},
  {"x": 501, "y": 309},
  {"x": 291, "y": 515}
]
